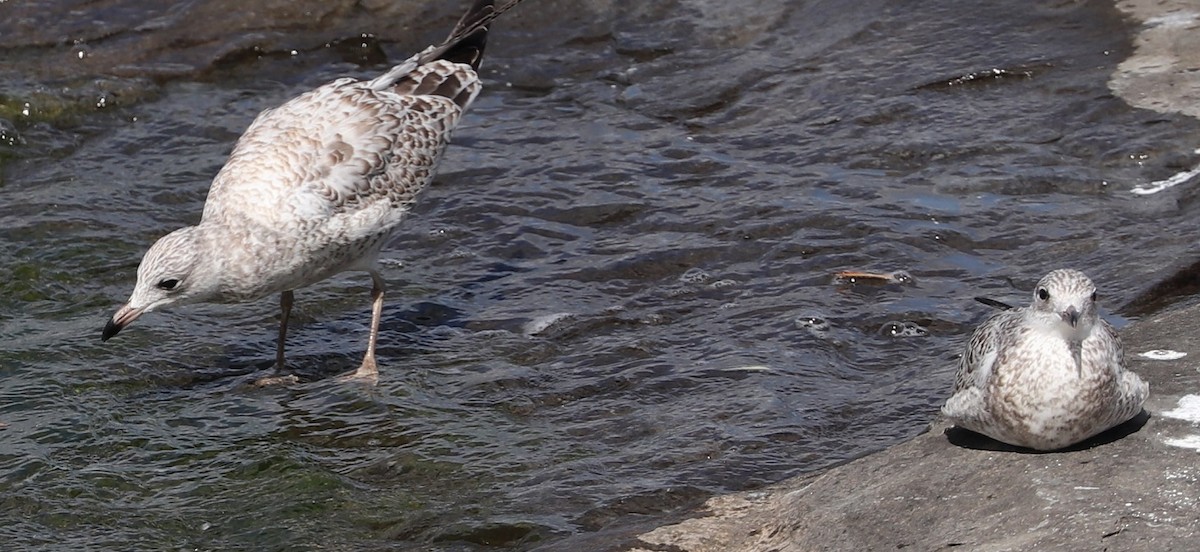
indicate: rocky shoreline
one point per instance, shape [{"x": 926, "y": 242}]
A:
[{"x": 1131, "y": 488}]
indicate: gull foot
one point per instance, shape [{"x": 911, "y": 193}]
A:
[{"x": 368, "y": 373}]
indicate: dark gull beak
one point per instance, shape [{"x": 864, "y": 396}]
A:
[
  {"x": 1071, "y": 316},
  {"x": 124, "y": 317}
]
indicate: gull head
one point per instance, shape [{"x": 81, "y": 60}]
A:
[
  {"x": 1065, "y": 300},
  {"x": 171, "y": 273}
]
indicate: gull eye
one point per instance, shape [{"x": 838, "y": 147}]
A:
[
  {"x": 1043, "y": 294},
  {"x": 168, "y": 284}
]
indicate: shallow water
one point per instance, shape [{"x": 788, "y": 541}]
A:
[{"x": 619, "y": 296}]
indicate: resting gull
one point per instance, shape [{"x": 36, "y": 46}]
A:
[{"x": 1048, "y": 375}]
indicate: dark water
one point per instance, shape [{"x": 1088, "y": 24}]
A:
[{"x": 619, "y": 297}]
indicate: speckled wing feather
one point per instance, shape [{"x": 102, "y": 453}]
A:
[
  {"x": 344, "y": 149},
  {"x": 982, "y": 350},
  {"x": 1131, "y": 390},
  {"x": 351, "y": 154},
  {"x": 1111, "y": 336}
]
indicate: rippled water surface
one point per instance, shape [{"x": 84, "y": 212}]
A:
[{"x": 619, "y": 297}]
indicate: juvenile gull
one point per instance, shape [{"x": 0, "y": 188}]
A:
[
  {"x": 1048, "y": 375},
  {"x": 317, "y": 186}
]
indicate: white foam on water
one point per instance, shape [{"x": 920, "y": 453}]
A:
[
  {"x": 751, "y": 368},
  {"x": 541, "y": 323},
  {"x": 1177, "y": 19},
  {"x": 1160, "y": 185},
  {"x": 1188, "y": 409},
  {"x": 1163, "y": 354},
  {"x": 1191, "y": 441}
]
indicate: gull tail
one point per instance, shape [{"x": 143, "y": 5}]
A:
[{"x": 421, "y": 75}]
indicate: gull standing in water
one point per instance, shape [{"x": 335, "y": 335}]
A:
[
  {"x": 1048, "y": 375},
  {"x": 316, "y": 187}
]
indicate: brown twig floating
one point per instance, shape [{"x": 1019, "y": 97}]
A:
[{"x": 855, "y": 276}]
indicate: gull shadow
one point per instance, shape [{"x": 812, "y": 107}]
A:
[{"x": 969, "y": 439}]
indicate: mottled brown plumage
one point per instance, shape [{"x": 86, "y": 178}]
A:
[
  {"x": 1048, "y": 375},
  {"x": 317, "y": 185}
]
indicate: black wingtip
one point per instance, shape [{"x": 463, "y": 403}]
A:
[
  {"x": 468, "y": 50},
  {"x": 994, "y": 303},
  {"x": 469, "y": 37}
]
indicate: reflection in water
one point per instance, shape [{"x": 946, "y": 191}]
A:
[{"x": 618, "y": 298}]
